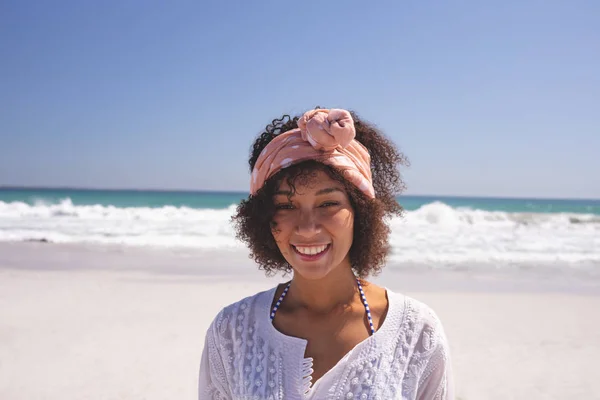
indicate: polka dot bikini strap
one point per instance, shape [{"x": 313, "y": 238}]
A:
[
  {"x": 367, "y": 308},
  {"x": 276, "y": 306}
]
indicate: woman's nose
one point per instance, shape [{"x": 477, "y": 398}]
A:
[{"x": 308, "y": 225}]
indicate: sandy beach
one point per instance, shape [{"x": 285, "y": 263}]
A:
[{"x": 91, "y": 322}]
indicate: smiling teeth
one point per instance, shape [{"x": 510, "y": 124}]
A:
[{"x": 311, "y": 250}]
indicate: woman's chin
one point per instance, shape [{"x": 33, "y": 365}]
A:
[{"x": 313, "y": 271}]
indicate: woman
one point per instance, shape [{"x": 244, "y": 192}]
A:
[{"x": 321, "y": 188}]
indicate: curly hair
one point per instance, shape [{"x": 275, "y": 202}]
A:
[{"x": 254, "y": 217}]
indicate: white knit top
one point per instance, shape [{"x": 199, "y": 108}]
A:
[{"x": 245, "y": 357}]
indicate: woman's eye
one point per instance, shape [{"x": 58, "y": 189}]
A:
[
  {"x": 284, "y": 207},
  {"x": 329, "y": 204}
]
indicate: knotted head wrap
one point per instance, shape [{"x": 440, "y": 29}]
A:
[{"x": 323, "y": 135}]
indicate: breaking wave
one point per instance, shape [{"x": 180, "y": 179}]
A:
[{"x": 434, "y": 233}]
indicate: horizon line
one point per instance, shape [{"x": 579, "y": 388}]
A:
[{"x": 214, "y": 191}]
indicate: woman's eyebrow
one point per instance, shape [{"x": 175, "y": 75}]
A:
[{"x": 329, "y": 190}]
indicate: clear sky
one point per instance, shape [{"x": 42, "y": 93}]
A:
[{"x": 485, "y": 98}]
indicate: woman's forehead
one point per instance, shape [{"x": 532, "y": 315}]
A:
[{"x": 317, "y": 181}]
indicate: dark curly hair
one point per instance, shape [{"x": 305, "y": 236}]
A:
[{"x": 254, "y": 218}]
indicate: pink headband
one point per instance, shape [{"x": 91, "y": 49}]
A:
[{"x": 323, "y": 135}]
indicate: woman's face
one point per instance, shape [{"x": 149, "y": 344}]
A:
[{"x": 314, "y": 228}]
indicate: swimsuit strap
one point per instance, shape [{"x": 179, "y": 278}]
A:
[
  {"x": 276, "y": 306},
  {"x": 362, "y": 297},
  {"x": 364, "y": 300}
]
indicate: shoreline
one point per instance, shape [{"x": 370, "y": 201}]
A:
[{"x": 235, "y": 265}]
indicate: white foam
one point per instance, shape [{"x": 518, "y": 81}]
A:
[
  {"x": 434, "y": 234},
  {"x": 437, "y": 233},
  {"x": 165, "y": 226}
]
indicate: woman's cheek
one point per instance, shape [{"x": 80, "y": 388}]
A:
[{"x": 343, "y": 219}]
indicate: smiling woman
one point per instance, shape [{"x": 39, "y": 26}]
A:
[{"x": 322, "y": 188}]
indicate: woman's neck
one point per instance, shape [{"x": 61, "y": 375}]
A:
[{"x": 338, "y": 288}]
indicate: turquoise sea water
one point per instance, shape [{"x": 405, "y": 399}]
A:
[
  {"x": 435, "y": 230},
  {"x": 222, "y": 200}
]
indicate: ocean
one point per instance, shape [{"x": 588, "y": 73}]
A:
[{"x": 435, "y": 230}]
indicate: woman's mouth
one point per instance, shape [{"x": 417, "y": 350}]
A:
[{"x": 311, "y": 253}]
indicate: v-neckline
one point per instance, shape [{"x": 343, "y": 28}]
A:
[{"x": 303, "y": 343}]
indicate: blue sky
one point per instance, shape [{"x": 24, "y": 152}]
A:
[{"x": 494, "y": 99}]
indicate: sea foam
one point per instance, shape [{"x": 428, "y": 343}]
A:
[{"x": 434, "y": 234}]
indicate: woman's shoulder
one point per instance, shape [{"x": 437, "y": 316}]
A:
[
  {"x": 417, "y": 317},
  {"x": 242, "y": 314}
]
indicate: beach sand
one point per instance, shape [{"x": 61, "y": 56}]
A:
[{"x": 89, "y": 322}]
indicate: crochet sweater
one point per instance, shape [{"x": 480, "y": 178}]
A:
[{"x": 245, "y": 357}]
